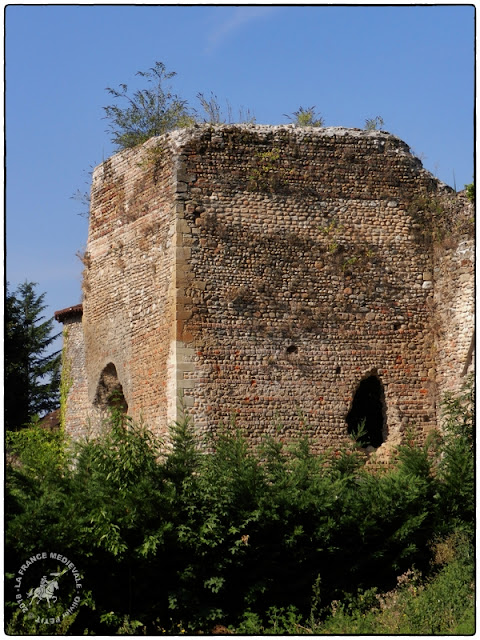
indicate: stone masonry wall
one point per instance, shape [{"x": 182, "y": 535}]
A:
[
  {"x": 306, "y": 273},
  {"x": 74, "y": 375},
  {"x": 454, "y": 307},
  {"x": 129, "y": 303},
  {"x": 264, "y": 272}
]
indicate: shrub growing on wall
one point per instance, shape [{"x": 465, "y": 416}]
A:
[
  {"x": 306, "y": 117},
  {"x": 146, "y": 112}
]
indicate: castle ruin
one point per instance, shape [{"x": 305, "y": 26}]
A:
[{"x": 299, "y": 279}]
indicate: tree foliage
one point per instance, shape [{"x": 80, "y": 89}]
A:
[
  {"x": 32, "y": 372},
  {"x": 147, "y": 112},
  {"x": 215, "y": 533}
]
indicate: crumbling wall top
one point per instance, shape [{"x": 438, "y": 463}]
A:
[{"x": 175, "y": 141}]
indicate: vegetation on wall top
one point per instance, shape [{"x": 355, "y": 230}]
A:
[
  {"x": 306, "y": 118},
  {"x": 136, "y": 117},
  {"x": 148, "y": 112}
]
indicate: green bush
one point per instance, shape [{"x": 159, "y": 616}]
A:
[
  {"x": 456, "y": 462},
  {"x": 442, "y": 604},
  {"x": 306, "y": 117},
  {"x": 146, "y": 112},
  {"x": 215, "y": 533}
]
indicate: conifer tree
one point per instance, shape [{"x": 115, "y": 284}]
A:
[{"x": 32, "y": 372}]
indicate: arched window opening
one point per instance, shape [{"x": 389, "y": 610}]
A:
[
  {"x": 110, "y": 392},
  {"x": 368, "y": 407}
]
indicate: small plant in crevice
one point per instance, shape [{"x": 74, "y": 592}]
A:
[
  {"x": 83, "y": 196},
  {"x": 306, "y": 117},
  {"x": 374, "y": 124},
  {"x": 425, "y": 211},
  {"x": 359, "y": 261},
  {"x": 268, "y": 175},
  {"x": 329, "y": 228},
  {"x": 349, "y": 262},
  {"x": 85, "y": 258},
  {"x": 439, "y": 219},
  {"x": 333, "y": 247},
  {"x": 154, "y": 156}
]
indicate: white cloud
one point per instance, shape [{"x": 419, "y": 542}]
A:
[{"x": 238, "y": 19}]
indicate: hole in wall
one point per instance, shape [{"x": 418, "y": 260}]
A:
[
  {"x": 368, "y": 406},
  {"x": 396, "y": 326},
  {"x": 338, "y": 370},
  {"x": 109, "y": 391},
  {"x": 292, "y": 349}
]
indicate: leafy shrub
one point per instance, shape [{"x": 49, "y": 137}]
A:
[
  {"x": 214, "y": 534},
  {"x": 456, "y": 463},
  {"x": 147, "y": 112},
  {"x": 440, "y": 604},
  {"x": 306, "y": 118}
]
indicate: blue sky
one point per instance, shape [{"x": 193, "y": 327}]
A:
[{"x": 412, "y": 65}]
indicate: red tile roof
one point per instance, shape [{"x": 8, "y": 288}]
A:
[{"x": 68, "y": 312}]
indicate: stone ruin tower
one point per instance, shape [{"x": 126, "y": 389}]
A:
[{"x": 296, "y": 278}]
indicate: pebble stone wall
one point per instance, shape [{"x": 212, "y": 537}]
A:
[
  {"x": 454, "y": 323},
  {"x": 74, "y": 376},
  {"x": 262, "y": 272}
]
